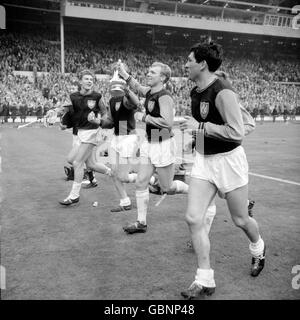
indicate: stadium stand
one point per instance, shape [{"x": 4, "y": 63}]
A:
[{"x": 263, "y": 80}]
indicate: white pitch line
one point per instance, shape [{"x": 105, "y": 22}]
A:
[
  {"x": 162, "y": 198},
  {"x": 255, "y": 175},
  {"x": 275, "y": 179}
]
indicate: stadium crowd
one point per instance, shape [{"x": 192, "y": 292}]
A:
[{"x": 255, "y": 79}]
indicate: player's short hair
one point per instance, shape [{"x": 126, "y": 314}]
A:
[
  {"x": 165, "y": 70},
  {"x": 86, "y": 72},
  {"x": 211, "y": 52}
]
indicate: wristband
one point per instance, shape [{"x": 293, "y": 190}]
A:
[
  {"x": 128, "y": 79},
  {"x": 201, "y": 126}
]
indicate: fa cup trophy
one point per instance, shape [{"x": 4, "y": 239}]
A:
[{"x": 117, "y": 84}]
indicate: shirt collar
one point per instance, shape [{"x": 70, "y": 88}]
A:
[
  {"x": 201, "y": 90},
  {"x": 87, "y": 93}
]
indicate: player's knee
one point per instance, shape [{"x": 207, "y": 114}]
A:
[
  {"x": 240, "y": 222},
  {"x": 192, "y": 218},
  {"x": 70, "y": 159},
  {"x": 165, "y": 188},
  {"x": 77, "y": 164},
  {"x": 141, "y": 184}
]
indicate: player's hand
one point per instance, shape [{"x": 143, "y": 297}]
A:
[
  {"x": 139, "y": 116},
  {"x": 189, "y": 123},
  {"x": 188, "y": 148},
  {"x": 93, "y": 119},
  {"x": 62, "y": 126},
  {"x": 121, "y": 70}
]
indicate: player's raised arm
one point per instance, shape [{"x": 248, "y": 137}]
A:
[
  {"x": 133, "y": 83},
  {"x": 131, "y": 100},
  {"x": 230, "y": 111}
]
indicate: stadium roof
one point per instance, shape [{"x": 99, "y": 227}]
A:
[
  {"x": 46, "y": 12},
  {"x": 281, "y": 3},
  {"x": 247, "y": 5}
]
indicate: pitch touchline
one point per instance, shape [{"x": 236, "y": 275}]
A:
[
  {"x": 254, "y": 174},
  {"x": 275, "y": 179}
]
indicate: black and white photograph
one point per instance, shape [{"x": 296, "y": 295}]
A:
[{"x": 150, "y": 151}]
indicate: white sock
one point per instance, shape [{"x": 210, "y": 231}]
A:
[
  {"x": 132, "y": 177},
  {"x": 180, "y": 186},
  {"x": 210, "y": 214},
  {"x": 75, "y": 190},
  {"x": 152, "y": 180},
  {"x": 142, "y": 200},
  {"x": 205, "y": 277},
  {"x": 125, "y": 202},
  {"x": 257, "y": 249}
]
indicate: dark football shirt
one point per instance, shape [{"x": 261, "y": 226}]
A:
[
  {"x": 204, "y": 109},
  {"x": 121, "y": 116},
  {"x": 153, "y": 108},
  {"x": 82, "y": 106}
]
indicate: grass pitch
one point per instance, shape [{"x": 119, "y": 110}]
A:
[{"x": 51, "y": 252}]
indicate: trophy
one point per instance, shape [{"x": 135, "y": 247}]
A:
[{"x": 117, "y": 84}]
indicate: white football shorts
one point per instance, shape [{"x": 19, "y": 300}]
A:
[
  {"x": 125, "y": 145},
  {"x": 160, "y": 154},
  {"x": 227, "y": 171},
  {"x": 88, "y": 136}
]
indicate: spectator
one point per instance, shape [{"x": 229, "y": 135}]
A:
[
  {"x": 23, "y": 111},
  {"x": 13, "y": 110},
  {"x": 255, "y": 79},
  {"x": 274, "y": 114},
  {"x": 285, "y": 114}
]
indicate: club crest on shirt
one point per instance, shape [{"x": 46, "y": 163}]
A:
[
  {"x": 151, "y": 105},
  {"x": 91, "y": 103},
  {"x": 118, "y": 104},
  {"x": 204, "y": 109}
]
